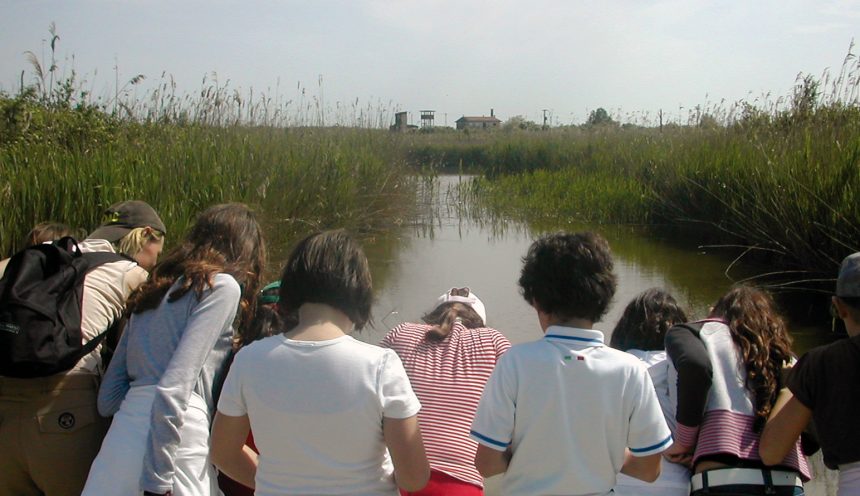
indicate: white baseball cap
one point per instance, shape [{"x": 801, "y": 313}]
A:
[{"x": 466, "y": 297}]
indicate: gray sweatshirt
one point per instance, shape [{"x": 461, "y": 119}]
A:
[{"x": 181, "y": 347}]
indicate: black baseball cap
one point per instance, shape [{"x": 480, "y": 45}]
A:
[{"x": 122, "y": 217}]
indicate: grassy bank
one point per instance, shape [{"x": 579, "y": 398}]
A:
[
  {"x": 787, "y": 188},
  {"x": 778, "y": 182},
  {"x": 67, "y": 163}
]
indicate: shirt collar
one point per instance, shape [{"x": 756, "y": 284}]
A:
[{"x": 585, "y": 337}]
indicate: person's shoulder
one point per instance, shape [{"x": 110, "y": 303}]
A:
[
  {"x": 260, "y": 347},
  {"x": 226, "y": 283},
  {"x": 408, "y": 331},
  {"x": 623, "y": 359},
  {"x": 528, "y": 349},
  {"x": 831, "y": 353}
]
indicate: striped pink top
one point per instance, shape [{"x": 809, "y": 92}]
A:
[
  {"x": 448, "y": 377},
  {"x": 728, "y": 432}
]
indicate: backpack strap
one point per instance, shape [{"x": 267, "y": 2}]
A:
[{"x": 97, "y": 259}]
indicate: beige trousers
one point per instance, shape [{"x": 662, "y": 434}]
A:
[{"x": 50, "y": 432}]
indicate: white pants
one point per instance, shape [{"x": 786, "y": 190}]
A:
[{"x": 118, "y": 467}]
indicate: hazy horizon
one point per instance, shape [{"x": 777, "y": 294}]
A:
[{"x": 565, "y": 58}]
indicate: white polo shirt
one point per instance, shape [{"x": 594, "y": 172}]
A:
[{"x": 568, "y": 406}]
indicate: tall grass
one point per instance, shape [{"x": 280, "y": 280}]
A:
[
  {"x": 300, "y": 179},
  {"x": 66, "y": 156},
  {"x": 780, "y": 181}
]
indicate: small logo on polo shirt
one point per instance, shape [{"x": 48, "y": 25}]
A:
[{"x": 568, "y": 358}]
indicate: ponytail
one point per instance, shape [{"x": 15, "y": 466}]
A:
[{"x": 443, "y": 317}]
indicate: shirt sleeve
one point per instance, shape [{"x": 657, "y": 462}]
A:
[
  {"x": 493, "y": 426},
  {"x": 116, "y": 382},
  {"x": 501, "y": 343},
  {"x": 232, "y": 401},
  {"x": 648, "y": 433},
  {"x": 388, "y": 340},
  {"x": 209, "y": 319},
  {"x": 395, "y": 392},
  {"x": 695, "y": 375},
  {"x": 801, "y": 381}
]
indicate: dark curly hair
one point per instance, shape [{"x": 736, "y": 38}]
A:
[
  {"x": 569, "y": 275},
  {"x": 645, "y": 320},
  {"x": 762, "y": 340}
]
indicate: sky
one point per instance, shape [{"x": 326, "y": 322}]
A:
[{"x": 559, "y": 58}]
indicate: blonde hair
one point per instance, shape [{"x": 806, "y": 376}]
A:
[{"x": 134, "y": 240}]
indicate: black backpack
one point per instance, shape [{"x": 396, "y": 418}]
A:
[{"x": 40, "y": 308}]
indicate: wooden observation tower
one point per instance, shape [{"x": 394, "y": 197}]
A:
[{"x": 427, "y": 118}]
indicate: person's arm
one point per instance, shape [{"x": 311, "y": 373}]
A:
[
  {"x": 501, "y": 343},
  {"x": 695, "y": 375},
  {"x": 228, "y": 450},
  {"x": 115, "y": 383},
  {"x": 403, "y": 438},
  {"x": 210, "y": 319},
  {"x": 787, "y": 420},
  {"x": 490, "y": 462},
  {"x": 646, "y": 468}
]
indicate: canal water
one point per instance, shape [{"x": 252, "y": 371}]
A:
[{"x": 449, "y": 244}]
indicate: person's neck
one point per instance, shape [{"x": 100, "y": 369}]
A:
[
  {"x": 320, "y": 322},
  {"x": 853, "y": 330},
  {"x": 548, "y": 320}
]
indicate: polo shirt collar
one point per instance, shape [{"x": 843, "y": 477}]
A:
[{"x": 584, "y": 337}]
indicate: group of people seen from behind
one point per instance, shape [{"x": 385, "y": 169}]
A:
[{"x": 213, "y": 383}]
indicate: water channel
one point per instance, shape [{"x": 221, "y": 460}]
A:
[{"x": 447, "y": 245}]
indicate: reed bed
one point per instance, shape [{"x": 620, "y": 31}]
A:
[
  {"x": 65, "y": 155},
  {"x": 778, "y": 182},
  {"x": 786, "y": 190}
]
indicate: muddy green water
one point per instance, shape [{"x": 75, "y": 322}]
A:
[{"x": 447, "y": 245}]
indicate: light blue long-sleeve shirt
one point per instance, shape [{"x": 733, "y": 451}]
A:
[{"x": 181, "y": 347}]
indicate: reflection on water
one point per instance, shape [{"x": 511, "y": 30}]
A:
[{"x": 451, "y": 243}]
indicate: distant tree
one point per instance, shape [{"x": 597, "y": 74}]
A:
[
  {"x": 598, "y": 117},
  {"x": 519, "y": 122}
]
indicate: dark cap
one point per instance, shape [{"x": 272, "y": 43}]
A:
[
  {"x": 122, "y": 217},
  {"x": 848, "y": 282}
]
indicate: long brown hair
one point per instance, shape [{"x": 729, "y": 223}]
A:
[
  {"x": 226, "y": 238},
  {"x": 442, "y": 319},
  {"x": 762, "y": 339}
]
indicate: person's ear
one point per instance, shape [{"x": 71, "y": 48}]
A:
[{"x": 839, "y": 306}]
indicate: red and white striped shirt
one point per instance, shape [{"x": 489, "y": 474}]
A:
[{"x": 448, "y": 377}]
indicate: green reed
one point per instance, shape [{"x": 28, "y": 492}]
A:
[{"x": 300, "y": 179}]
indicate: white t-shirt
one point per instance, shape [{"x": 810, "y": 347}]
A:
[
  {"x": 674, "y": 478},
  {"x": 568, "y": 406},
  {"x": 316, "y": 411}
]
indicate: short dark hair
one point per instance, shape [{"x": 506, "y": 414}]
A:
[
  {"x": 328, "y": 267},
  {"x": 645, "y": 320},
  {"x": 569, "y": 275},
  {"x": 852, "y": 304}
]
